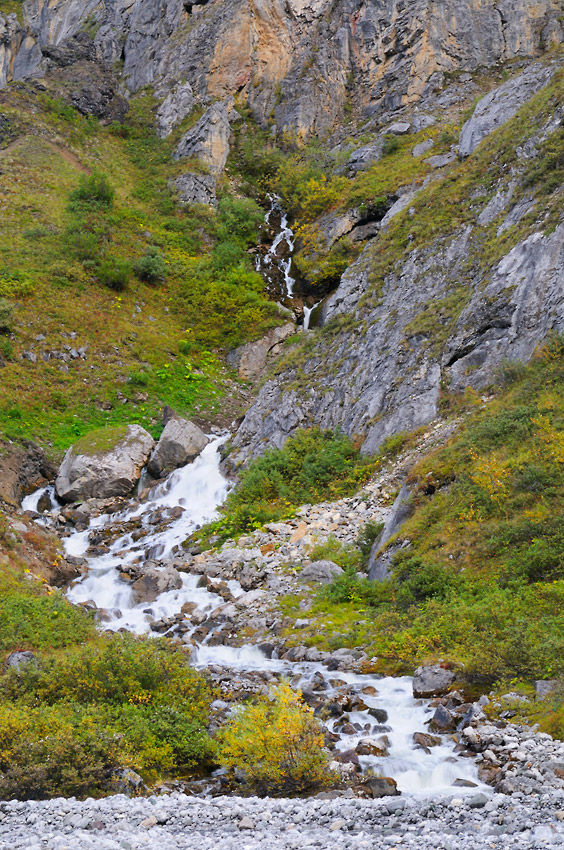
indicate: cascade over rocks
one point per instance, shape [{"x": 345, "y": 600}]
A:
[
  {"x": 104, "y": 464},
  {"x": 180, "y": 442}
]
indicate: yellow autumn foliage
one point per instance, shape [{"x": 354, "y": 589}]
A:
[{"x": 277, "y": 743}]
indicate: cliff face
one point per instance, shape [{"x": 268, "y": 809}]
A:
[{"x": 298, "y": 64}]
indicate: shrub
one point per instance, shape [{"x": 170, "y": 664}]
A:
[
  {"x": 151, "y": 268},
  {"x": 41, "y": 622},
  {"x": 391, "y": 144},
  {"x": 277, "y": 743},
  {"x": 114, "y": 272},
  {"x": 6, "y": 315},
  {"x": 93, "y": 192}
]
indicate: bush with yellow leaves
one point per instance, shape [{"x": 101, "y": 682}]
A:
[{"x": 277, "y": 743}]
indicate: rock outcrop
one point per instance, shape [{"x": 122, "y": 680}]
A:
[
  {"x": 300, "y": 64},
  {"x": 250, "y": 359},
  {"x": 208, "y": 140},
  {"x": 180, "y": 442},
  {"x": 194, "y": 188},
  {"x": 106, "y": 463}
]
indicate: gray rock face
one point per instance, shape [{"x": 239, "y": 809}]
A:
[
  {"x": 321, "y": 572},
  {"x": 431, "y": 681},
  {"x": 291, "y": 61},
  {"x": 250, "y": 359},
  {"x": 500, "y": 105},
  {"x": 196, "y": 188},
  {"x": 174, "y": 108},
  {"x": 154, "y": 581},
  {"x": 379, "y": 566},
  {"x": 208, "y": 140},
  {"x": 180, "y": 442},
  {"x": 105, "y": 473}
]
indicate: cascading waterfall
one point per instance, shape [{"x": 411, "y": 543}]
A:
[
  {"x": 281, "y": 260},
  {"x": 198, "y": 489}
]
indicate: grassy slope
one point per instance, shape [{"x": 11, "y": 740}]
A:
[
  {"x": 482, "y": 582},
  {"x": 170, "y": 350}
]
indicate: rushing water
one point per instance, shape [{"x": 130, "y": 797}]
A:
[{"x": 199, "y": 488}]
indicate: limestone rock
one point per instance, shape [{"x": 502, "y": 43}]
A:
[
  {"x": 432, "y": 681},
  {"x": 321, "y": 572},
  {"x": 208, "y": 140},
  {"x": 174, "y": 108},
  {"x": 154, "y": 581},
  {"x": 103, "y": 464},
  {"x": 195, "y": 188},
  {"x": 180, "y": 442},
  {"x": 500, "y": 105},
  {"x": 250, "y": 359}
]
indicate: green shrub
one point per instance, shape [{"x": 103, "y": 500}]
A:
[
  {"x": 277, "y": 743},
  {"x": 41, "y": 622},
  {"x": 114, "y": 272},
  {"x": 6, "y": 316},
  {"x": 345, "y": 555},
  {"x": 391, "y": 144},
  {"x": 93, "y": 192},
  {"x": 367, "y": 536},
  {"x": 151, "y": 268}
]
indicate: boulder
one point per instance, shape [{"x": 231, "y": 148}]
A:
[
  {"x": 174, "y": 108},
  {"x": 380, "y": 786},
  {"x": 321, "y": 572},
  {"x": 442, "y": 720},
  {"x": 545, "y": 687},
  {"x": 195, "y": 188},
  {"x": 180, "y": 442},
  {"x": 208, "y": 140},
  {"x": 500, "y": 105},
  {"x": 250, "y": 359},
  {"x": 425, "y": 741},
  {"x": 154, "y": 581},
  {"x": 16, "y": 660},
  {"x": 104, "y": 463},
  {"x": 432, "y": 681}
]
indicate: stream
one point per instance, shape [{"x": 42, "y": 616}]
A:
[
  {"x": 276, "y": 264},
  {"x": 382, "y": 710}
]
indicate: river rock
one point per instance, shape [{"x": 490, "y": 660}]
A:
[
  {"x": 321, "y": 572},
  {"x": 180, "y": 442},
  {"x": 500, "y": 105},
  {"x": 432, "y": 681},
  {"x": 154, "y": 581},
  {"x": 103, "y": 464},
  {"x": 380, "y": 786}
]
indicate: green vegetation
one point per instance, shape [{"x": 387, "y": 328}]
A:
[
  {"x": 482, "y": 582},
  {"x": 277, "y": 743},
  {"x": 99, "y": 251},
  {"x": 100, "y": 441},
  {"x": 312, "y": 466}
]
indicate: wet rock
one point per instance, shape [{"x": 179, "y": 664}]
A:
[
  {"x": 426, "y": 741},
  {"x": 380, "y": 786},
  {"x": 180, "y": 442},
  {"x": 44, "y": 503},
  {"x": 104, "y": 464},
  {"x": 321, "y": 572},
  {"x": 442, "y": 720},
  {"x": 379, "y": 714},
  {"x": 155, "y": 581},
  {"x": 432, "y": 681},
  {"x": 371, "y": 747}
]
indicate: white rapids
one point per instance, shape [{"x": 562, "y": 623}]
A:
[{"x": 199, "y": 488}]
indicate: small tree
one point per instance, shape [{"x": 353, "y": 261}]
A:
[
  {"x": 5, "y": 316},
  {"x": 277, "y": 743},
  {"x": 151, "y": 268}
]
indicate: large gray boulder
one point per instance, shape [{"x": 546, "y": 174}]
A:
[
  {"x": 432, "y": 681},
  {"x": 501, "y": 104},
  {"x": 180, "y": 442},
  {"x": 195, "y": 188},
  {"x": 174, "y": 108},
  {"x": 321, "y": 572},
  {"x": 103, "y": 464},
  {"x": 154, "y": 581},
  {"x": 208, "y": 140}
]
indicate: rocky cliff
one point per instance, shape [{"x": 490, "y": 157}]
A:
[{"x": 299, "y": 65}]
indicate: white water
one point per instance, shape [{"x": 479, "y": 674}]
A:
[
  {"x": 284, "y": 235},
  {"x": 199, "y": 488}
]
